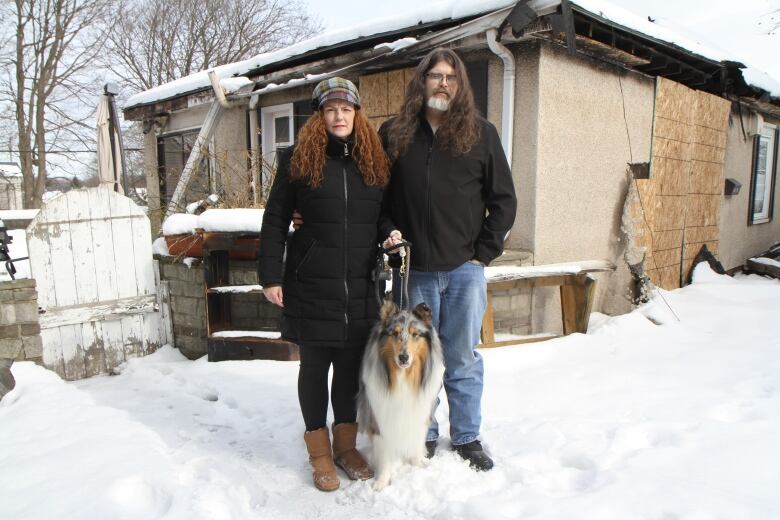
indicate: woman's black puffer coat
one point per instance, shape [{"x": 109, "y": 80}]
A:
[{"x": 329, "y": 297}]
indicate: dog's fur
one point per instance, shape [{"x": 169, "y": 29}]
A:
[{"x": 400, "y": 377}]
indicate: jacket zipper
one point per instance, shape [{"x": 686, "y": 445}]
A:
[
  {"x": 428, "y": 205},
  {"x": 346, "y": 218}
]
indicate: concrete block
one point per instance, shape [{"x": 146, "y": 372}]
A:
[
  {"x": 33, "y": 347},
  {"x": 10, "y": 348},
  {"x": 30, "y": 329},
  {"x": 24, "y": 295},
  {"x": 26, "y": 312},
  {"x": 9, "y": 331},
  {"x": 192, "y": 348},
  {"x": 8, "y": 314}
]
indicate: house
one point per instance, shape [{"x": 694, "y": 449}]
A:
[
  {"x": 10, "y": 186},
  {"x": 628, "y": 142}
]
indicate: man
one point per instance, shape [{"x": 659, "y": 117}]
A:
[{"x": 451, "y": 195}]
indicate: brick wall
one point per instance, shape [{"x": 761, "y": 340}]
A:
[{"x": 20, "y": 338}]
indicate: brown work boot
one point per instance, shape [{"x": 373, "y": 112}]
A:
[
  {"x": 346, "y": 456},
  {"x": 321, "y": 459}
]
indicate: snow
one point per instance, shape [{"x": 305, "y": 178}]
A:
[
  {"x": 180, "y": 224},
  {"x": 271, "y": 334},
  {"x": 230, "y": 85},
  {"x": 451, "y": 9},
  {"x": 397, "y": 45},
  {"x": 235, "y": 219},
  {"x": 160, "y": 247},
  {"x": 633, "y": 420},
  {"x": 237, "y": 288},
  {"x": 430, "y": 12},
  {"x": 766, "y": 261},
  {"x": 18, "y": 214}
]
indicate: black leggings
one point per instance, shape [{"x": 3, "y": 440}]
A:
[{"x": 313, "y": 384}]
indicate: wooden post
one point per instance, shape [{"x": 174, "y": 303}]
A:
[{"x": 576, "y": 303}]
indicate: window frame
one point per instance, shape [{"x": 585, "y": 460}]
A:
[
  {"x": 268, "y": 145},
  {"x": 162, "y": 168},
  {"x": 772, "y": 132}
]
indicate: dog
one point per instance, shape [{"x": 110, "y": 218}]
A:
[{"x": 400, "y": 378}]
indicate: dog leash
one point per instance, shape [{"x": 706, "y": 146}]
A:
[{"x": 384, "y": 271}]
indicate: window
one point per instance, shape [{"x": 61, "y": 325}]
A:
[
  {"x": 277, "y": 132},
  {"x": 763, "y": 176},
  {"x": 173, "y": 150}
]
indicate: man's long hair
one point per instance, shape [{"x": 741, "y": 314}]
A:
[
  {"x": 309, "y": 156},
  {"x": 459, "y": 130}
]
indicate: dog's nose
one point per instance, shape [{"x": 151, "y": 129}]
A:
[{"x": 403, "y": 358}]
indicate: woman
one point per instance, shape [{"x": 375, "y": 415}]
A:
[{"x": 334, "y": 177}]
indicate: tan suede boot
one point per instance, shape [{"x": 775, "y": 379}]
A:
[
  {"x": 321, "y": 459},
  {"x": 346, "y": 456}
]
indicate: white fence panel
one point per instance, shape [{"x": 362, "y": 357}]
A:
[{"x": 91, "y": 255}]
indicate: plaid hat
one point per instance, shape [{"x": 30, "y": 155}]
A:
[{"x": 334, "y": 88}]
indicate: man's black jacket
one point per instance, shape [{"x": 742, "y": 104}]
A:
[{"x": 452, "y": 208}]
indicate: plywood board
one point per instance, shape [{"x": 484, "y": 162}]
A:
[
  {"x": 373, "y": 94},
  {"x": 396, "y": 90}
]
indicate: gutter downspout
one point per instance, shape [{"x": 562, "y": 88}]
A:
[
  {"x": 508, "y": 98},
  {"x": 256, "y": 151}
]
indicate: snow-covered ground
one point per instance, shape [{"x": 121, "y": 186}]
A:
[{"x": 645, "y": 417}]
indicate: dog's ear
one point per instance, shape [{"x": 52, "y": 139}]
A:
[
  {"x": 423, "y": 312},
  {"x": 387, "y": 311}
]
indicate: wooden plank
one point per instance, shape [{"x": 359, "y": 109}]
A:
[
  {"x": 82, "y": 244},
  {"x": 72, "y": 353},
  {"x": 142, "y": 250},
  {"x": 92, "y": 346},
  {"x": 113, "y": 344},
  {"x": 115, "y": 309},
  {"x": 164, "y": 306},
  {"x": 576, "y": 304},
  {"x": 103, "y": 247},
  {"x": 151, "y": 332},
  {"x": 61, "y": 252},
  {"x": 132, "y": 336},
  {"x": 41, "y": 264},
  {"x": 52, "y": 350},
  {"x": 124, "y": 256}
]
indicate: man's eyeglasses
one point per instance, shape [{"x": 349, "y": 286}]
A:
[{"x": 438, "y": 77}]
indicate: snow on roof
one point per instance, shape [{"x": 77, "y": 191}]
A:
[
  {"x": 449, "y": 9},
  {"x": 8, "y": 169},
  {"x": 432, "y": 12},
  {"x": 658, "y": 31}
]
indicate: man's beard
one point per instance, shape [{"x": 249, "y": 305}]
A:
[{"x": 437, "y": 103}]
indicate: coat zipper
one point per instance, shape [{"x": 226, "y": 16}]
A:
[
  {"x": 346, "y": 223},
  {"x": 428, "y": 205}
]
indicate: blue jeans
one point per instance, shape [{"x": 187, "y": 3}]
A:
[{"x": 457, "y": 300}]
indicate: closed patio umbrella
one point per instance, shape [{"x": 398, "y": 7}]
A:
[{"x": 110, "y": 158}]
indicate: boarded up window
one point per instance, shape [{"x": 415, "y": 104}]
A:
[{"x": 678, "y": 208}]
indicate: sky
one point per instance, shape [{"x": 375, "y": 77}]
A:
[
  {"x": 670, "y": 412},
  {"x": 727, "y": 24}
]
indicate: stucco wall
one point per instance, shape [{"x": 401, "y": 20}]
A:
[
  {"x": 738, "y": 240},
  {"x": 592, "y": 120},
  {"x": 231, "y": 158}
]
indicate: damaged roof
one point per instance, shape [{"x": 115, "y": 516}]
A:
[{"x": 594, "y": 27}]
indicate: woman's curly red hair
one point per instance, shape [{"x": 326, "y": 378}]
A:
[{"x": 309, "y": 156}]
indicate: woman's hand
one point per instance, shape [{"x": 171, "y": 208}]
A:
[
  {"x": 274, "y": 295},
  {"x": 392, "y": 239}
]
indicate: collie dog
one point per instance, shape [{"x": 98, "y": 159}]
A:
[{"x": 400, "y": 377}]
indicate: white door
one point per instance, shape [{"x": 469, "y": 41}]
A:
[{"x": 278, "y": 132}]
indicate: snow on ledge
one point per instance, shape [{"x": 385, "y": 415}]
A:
[{"x": 269, "y": 334}]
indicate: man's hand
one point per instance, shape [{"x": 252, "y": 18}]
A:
[
  {"x": 392, "y": 239},
  {"x": 297, "y": 219},
  {"x": 274, "y": 295}
]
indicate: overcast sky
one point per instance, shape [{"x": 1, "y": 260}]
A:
[{"x": 738, "y": 27}]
